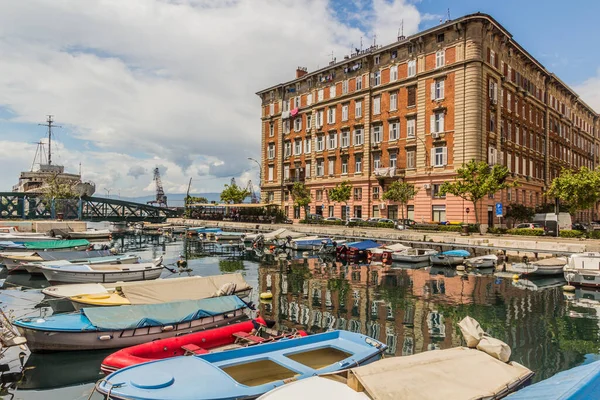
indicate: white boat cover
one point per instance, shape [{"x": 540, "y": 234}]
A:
[
  {"x": 75, "y": 290},
  {"x": 168, "y": 290},
  {"x": 395, "y": 247},
  {"x": 434, "y": 375},
  {"x": 551, "y": 262}
]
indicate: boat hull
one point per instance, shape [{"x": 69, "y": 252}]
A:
[
  {"x": 405, "y": 258},
  {"x": 587, "y": 278},
  {"x": 42, "y": 341},
  {"x": 536, "y": 270},
  {"x": 56, "y": 276},
  {"x": 441, "y": 259}
]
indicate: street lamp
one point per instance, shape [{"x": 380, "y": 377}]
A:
[
  {"x": 107, "y": 192},
  {"x": 259, "y": 171}
]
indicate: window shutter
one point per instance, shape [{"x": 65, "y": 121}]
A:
[
  {"x": 433, "y": 90},
  {"x": 488, "y": 54},
  {"x": 442, "y": 88},
  {"x": 444, "y": 155},
  {"x": 495, "y": 92},
  {"x": 432, "y": 151},
  {"x": 442, "y": 129},
  {"x": 432, "y": 123}
]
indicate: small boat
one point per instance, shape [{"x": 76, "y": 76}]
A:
[
  {"x": 241, "y": 334},
  {"x": 311, "y": 242},
  {"x": 102, "y": 273},
  {"x": 547, "y": 266},
  {"x": 11, "y": 234},
  {"x": 34, "y": 267},
  {"x": 47, "y": 245},
  {"x": 536, "y": 283},
  {"x": 113, "y": 327},
  {"x": 450, "y": 257},
  {"x": 356, "y": 250},
  {"x": 579, "y": 383},
  {"x": 270, "y": 237},
  {"x": 229, "y": 235},
  {"x": 487, "y": 261},
  {"x": 90, "y": 234},
  {"x": 167, "y": 290},
  {"x": 383, "y": 254},
  {"x": 413, "y": 255},
  {"x": 242, "y": 373},
  {"x": 583, "y": 269},
  {"x": 16, "y": 258}
]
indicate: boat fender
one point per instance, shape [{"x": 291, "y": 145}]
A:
[
  {"x": 105, "y": 337},
  {"x": 181, "y": 263},
  {"x": 266, "y": 296},
  {"x": 460, "y": 267},
  {"x": 167, "y": 328},
  {"x": 569, "y": 288},
  {"x": 515, "y": 277},
  {"x": 385, "y": 257}
]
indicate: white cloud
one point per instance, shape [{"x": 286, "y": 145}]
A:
[
  {"x": 589, "y": 91},
  {"x": 168, "y": 82}
]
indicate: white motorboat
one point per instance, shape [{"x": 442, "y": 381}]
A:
[
  {"x": 90, "y": 234},
  {"x": 547, "y": 266},
  {"x": 449, "y": 258},
  {"x": 34, "y": 267},
  {"x": 413, "y": 255},
  {"x": 102, "y": 273},
  {"x": 583, "y": 269},
  {"x": 270, "y": 237},
  {"x": 487, "y": 261},
  {"x": 11, "y": 234}
]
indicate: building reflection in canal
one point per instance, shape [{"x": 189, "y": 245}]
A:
[{"x": 416, "y": 310}]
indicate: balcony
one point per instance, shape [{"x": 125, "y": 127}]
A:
[
  {"x": 295, "y": 176},
  {"x": 386, "y": 172}
]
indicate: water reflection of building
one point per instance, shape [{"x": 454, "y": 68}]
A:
[{"x": 416, "y": 310}]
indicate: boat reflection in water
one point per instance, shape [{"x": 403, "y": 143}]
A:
[{"x": 415, "y": 310}]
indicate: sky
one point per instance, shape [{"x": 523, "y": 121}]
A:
[{"x": 140, "y": 84}]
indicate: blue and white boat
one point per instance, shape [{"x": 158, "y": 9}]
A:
[
  {"x": 311, "y": 243},
  {"x": 450, "y": 257},
  {"x": 579, "y": 383},
  {"x": 244, "y": 373},
  {"x": 113, "y": 327}
]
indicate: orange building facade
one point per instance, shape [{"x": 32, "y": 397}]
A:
[{"x": 416, "y": 110}]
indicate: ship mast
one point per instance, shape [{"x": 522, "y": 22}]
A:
[{"x": 49, "y": 122}]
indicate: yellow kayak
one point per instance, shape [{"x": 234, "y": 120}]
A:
[{"x": 111, "y": 298}]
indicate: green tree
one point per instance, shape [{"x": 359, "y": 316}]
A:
[
  {"x": 475, "y": 180},
  {"x": 400, "y": 192},
  {"x": 301, "y": 196},
  {"x": 193, "y": 200},
  {"x": 519, "y": 212},
  {"x": 341, "y": 193},
  {"x": 234, "y": 194},
  {"x": 580, "y": 189}
]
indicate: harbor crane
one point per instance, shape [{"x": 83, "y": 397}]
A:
[{"x": 161, "y": 198}]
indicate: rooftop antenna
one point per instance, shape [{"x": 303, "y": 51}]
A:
[
  {"x": 49, "y": 122},
  {"x": 448, "y": 15},
  {"x": 39, "y": 149},
  {"x": 374, "y": 40},
  {"x": 361, "y": 43},
  {"x": 401, "y": 31}
]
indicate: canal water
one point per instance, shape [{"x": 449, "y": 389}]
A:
[{"x": 410, "y": 309}]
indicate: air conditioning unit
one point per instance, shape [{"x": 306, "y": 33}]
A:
[
  {"x": 382, "y": 206},
  {"x": 427, "y": 186},
  {"x": 435, "y": 135}
]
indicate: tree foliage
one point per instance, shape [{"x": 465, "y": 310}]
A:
[
  {"x": 519, "y": 212},
  {"x": 477, "y": 180},
  {"x": 301, "y": 195},
  {"x": 195, "y": 200},
  {"x": 400, "y": 192},
  {"x": 341, "y": 192},
  {"x": 580, "y": 189},
  {"x": 234, "y": 194},
  {"x": 57, "y": 188}
]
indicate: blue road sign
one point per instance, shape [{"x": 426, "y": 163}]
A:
[{"x": 499, "y": 210}]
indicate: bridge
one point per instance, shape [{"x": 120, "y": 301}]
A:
[{"x": 32, "y": 206}]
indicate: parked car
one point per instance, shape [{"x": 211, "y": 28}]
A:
[
  {"x": 578, "y": 226},
  {"x": 387, "y": 221},
  {"x": 333, "y": 219},
  {"x": 354, "y": 220},
  {"x": 373, "y": 220},
  {"x": 288, "y": 221},
  {"x": 314, "y": 217},
  {"x": 530, "y": 225}
]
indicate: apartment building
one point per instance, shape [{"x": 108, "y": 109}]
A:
[{"x": 416, "y": 110}]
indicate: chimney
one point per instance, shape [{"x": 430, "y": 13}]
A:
[{"x": 300, "y": 72}]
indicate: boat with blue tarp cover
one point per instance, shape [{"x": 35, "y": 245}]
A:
[
  {"x": 114, "y": 327},
  {"x": 356, "y": 249},
  {"x": 203, "y": 229},
  {"x": 450, "y": 257},
  {"x": 311, "y": 243},
  {"x": 578, "y": 383},
  {"x": 242, "y": 373}
]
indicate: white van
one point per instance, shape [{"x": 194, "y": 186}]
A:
[{"x": 551, "y": 220}]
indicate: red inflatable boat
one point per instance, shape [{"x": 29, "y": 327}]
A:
[{"x": 241, "y": 334}]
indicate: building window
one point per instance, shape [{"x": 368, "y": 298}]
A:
[
  {"x": 375, "y": 211},
  {"x": 319, "y": 195},
  {"x": 438, "y": 213},
  {"x": 394, "y": 131},
  {"x": 344, "y": 166},
  {"x": 358, "y": 194},
  {"x": 331, "y": 166},
  {"x": 376, "y": 105},
  {"x": 410, "y": 127},
  {"x": 375, "y": 192},
  {"x": 437, "y": 122},
  {"x": 410, "y": 159},
  {"x": 320, "y": 143},
  {"x": 393, "y": 159},
  {"x": 297, "y": 124},
  {"x": 358, "y": 137},
  {"x": 411, "y": 96},
  {"x": 330, "y": 212},
  {"x": 270, "y": 197},
  {"x": 377, "y": 59},
  {"x": 377, "y": 134},
  {"x": 437, "y": 89},
  {"x": 345, "y": 86},
  {"x": 307, "y": 145},
  {"x": 393, "y": 73},
  {"x": 376, "y": 161},
  {"x": 440, "y": 38},
  {"x": 271, "y": 153},
  {"x": 393, "y": 101},
  {"x": 435, "y": 191},
  {"x": 440, "y": 58},
  {"x": 439, "y": 156},
  {"x": 345, "y": 138},
  {"x": 412, "y": 68},
  {"x": 332, "y": 142},
  {"x": 357, "y": 211},
  {"x": 297, "y": 147},
  {"x": 271, "y": 130},
  {"x": 320, "y": 95},
  {"x": 307, "y": 170},
  {"x": 358, "y": 109},
  {"x": 287, "y": 148},
  {"x": 345, "y": 112},
  {"x": 508, "y": 102},
  {"x": 359, "y": 83},
  {"x": 271, "y": 173},
  {"x": 308, "y": 121},
  {"x": 377, "y": 78},
  {"x": 493, "y": 58},
  {"x": 271, "y": 108},
  {"x": 320, "y": 172},
  {"x": 492, "y": 121},
  {"x": 332, "y": 92},
  {"x": 297, "y": 102},
  {"x": 309, "y": 99},
  {"x": 410, "y": 212},
  {"x": 331, "y": 115},
  {"x": 357, "y": 163},
  {"x": 286, "y": 176}
]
